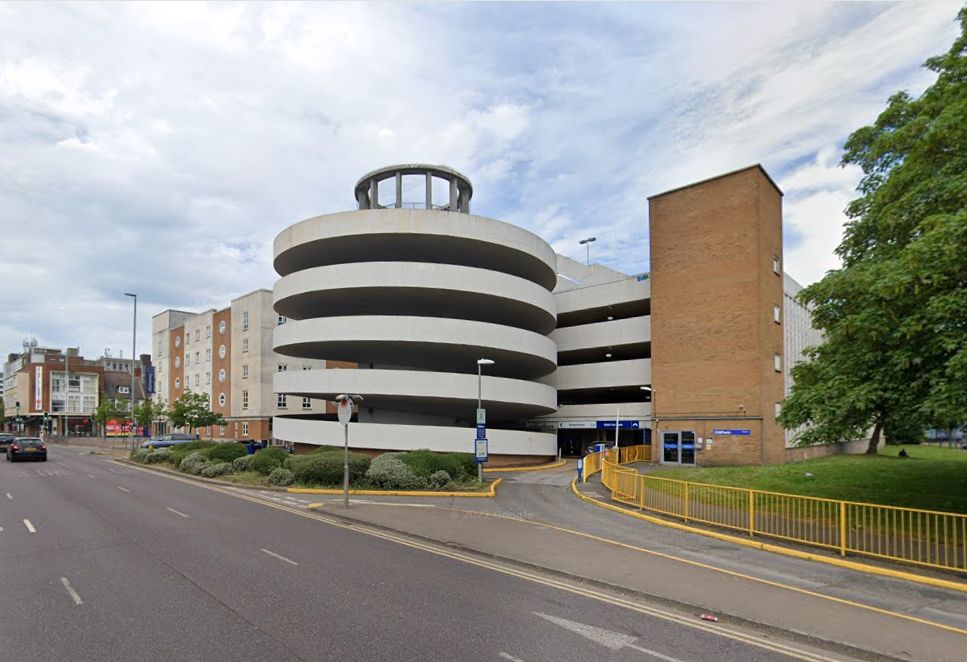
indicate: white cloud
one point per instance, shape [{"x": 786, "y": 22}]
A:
[{"x": 160, "y": 147}]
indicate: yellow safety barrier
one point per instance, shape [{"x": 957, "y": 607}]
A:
[{"x": 923, "y": 537}]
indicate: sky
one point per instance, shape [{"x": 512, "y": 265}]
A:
[{"x": 159, "y": 148}]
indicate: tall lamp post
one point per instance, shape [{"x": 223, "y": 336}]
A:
[
  {"x": 480, "y": 364},
  {"x": 345, "y": 411},
  {"x": 134, "y": 352},
  {"x": 654, "y": 416},
  {"x": 587, "y": 242}
]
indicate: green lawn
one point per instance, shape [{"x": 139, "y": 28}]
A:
[{"x": 931, "y": 478}]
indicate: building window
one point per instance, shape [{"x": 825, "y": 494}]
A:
[
  {"x": 775, "y": 265},
  {"x": 197, "y": 379},
  {"x": 306, "y": 403},
  {"x": 221, "y": 376},
  {"x": 159, "y": 347},
  {"x": 208, "y": 331},
  {"x": 177, "y": 341},
  {"x": 221, "y": 399},
  {"x": 187, "y": 338},
  {"x": 777, "y": 362},
  {"x": 245, "y": 321},
  {"x": 177, "y": 362},
  {"x": 208, "y": 378},
  {"x": 177, "y": 383},
  {"x": 283, "y": 367},
  {"x": 245, "y": 371},
  {"x": 197, "y": 335},
  {"x": 221, "y": 351},
  {"x": 244, "y": 344},
  {"x": 244, "y": 429},
  {"x": 778, "y": 409},
  {"x": 208, "y": 355},
  {"x": 283, "y": 404},
  {"x": 307, "y": 367},
  {"x": 221, "y": 430},
  {"x": 777, "y": 314},
  {"x": 282, "y": 320},
  {"x": 244, "y": 399},
  {"x": 221, "y": 327},
  {"x": 197, "y": 358}
]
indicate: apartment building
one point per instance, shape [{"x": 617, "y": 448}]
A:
[{"x": 227, "y": 355}]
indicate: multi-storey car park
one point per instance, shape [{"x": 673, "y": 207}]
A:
[{"x": 411, "y": 294}]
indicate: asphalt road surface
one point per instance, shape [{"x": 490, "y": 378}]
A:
[{"x": 100, "y": 561}]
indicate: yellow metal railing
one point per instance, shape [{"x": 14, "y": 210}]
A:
[{"x": 922, "y": 537}]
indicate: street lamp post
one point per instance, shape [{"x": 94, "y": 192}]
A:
[
  {"x": 345, "y": 412},
  {"x": 587, "y": 242},
  {"x": 480, "y": 364},
  {"x": 134, "y": 345}
]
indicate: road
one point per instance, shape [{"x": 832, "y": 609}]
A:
[{"x": 105, "y": 562}]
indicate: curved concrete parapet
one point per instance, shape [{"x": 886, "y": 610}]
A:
[
  {"x": 416, "y": 289},
  {"x": 388, "y": 437},
  {"x": 430, "y": 343},
  {"x": 407, "y": 235},
  {"x": 459, "y": 193},
  {"x": 431, "y": 393}
]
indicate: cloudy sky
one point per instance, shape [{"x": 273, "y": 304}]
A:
[{"x": 159, "y": 148}]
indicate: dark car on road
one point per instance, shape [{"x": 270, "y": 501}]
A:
[
  {"x": 5, "y": 440},
  {"x": 168, "y": 440},
  {"x": 27, "y": 448}
]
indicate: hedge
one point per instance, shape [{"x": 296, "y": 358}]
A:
[
  {"x": 327, "y": 468},
  {"x": 219, "y": 469},
  {"x": 243, "y": 463},
  {"x": 280, "y": 478},
  {"x": 425, "y": 463},
  {"x": 265, "y": 463},
  {"x": 389, "y": 472}
]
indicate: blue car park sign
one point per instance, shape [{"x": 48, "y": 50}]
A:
[
  {"x": 731, "y": 433},
  {"x": 624, "y": 425}
]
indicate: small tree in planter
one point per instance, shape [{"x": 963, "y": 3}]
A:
[{"x": 193, "y": 411}]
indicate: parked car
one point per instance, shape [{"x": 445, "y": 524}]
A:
[
  {"x": 5, "y": 439},
  {"x": 27, "y": 448},
  {"x": 171, "y": 439}
]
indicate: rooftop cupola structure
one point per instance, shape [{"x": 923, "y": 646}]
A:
[{"x": 459, "y": 187}]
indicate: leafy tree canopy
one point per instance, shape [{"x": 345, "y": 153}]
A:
[
  {"x": 895, "y": 315},
  {"x": 192, "y": 410}
]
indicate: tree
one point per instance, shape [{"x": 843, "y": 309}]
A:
[
  {"x": 111, "y": 410},
  {"x": 151, "y": 411},
  {"x": 191, "y": 410},
  {"x": 893, "y": 316}
]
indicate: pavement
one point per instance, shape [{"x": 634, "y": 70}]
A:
[
  {"x": 104, "y": 561},
  {"x": 536, "y": 521}
]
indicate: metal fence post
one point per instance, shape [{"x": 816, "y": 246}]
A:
[
  {"x": 842, "y": 528},
  {"x": 751, "y": 514},
  {"x": 687, "y": 504}
]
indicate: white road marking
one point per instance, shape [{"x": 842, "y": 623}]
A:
[
  {"x": 67, "y": 585},
  {"x": 30, "y": 527},
  {"x": 510, "y": 657},
  {"x": 124, "y": 490},
  {"x": 280, "y": 557},
  {"x": 9, "y": 496},
  {"x": 611, "y": 640},
  {"x": 90, "y": 475},
  {"x": 177, "y": 513}
]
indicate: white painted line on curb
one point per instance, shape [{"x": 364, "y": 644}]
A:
[
  {"x": 30, "y": 527},
  {"x": 9, "y": 496},
  {"x": 510, "y": 657},
  {"x": 90, "y": 475},
  {"x": 177, "y": 513},
  {"x": 124, "y": 490},
  {"x": 280, "y": 557},
  {"x": 67, "y": 585}
]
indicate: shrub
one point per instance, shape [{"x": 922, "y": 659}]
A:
[
  {"x": 194, "y": 447},
  {"x": 265, "y": 463},
  {"x": 219, "y": 469},
  {"x": 389, "y": 472},
  {"x": 227, "y": 452},
  {"x": 327, "y": 449},
  {"x": 278, "y": 454},
  {"x": 425, "y": 463},
  {"x": 243, "y": 463},
  {"x": 327, "y": 468},
  {"x": 159, "y": 456},
  {"x": 280, "y": 477},
  {"x": 193, "y": 463},
  {"x": 441, "y": 481},
  {"x": 138, "y": 454}
]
